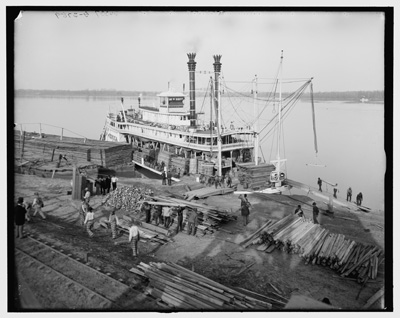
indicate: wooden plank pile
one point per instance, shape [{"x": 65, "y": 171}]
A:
[
  {"x": 145, "y": 234},
  {"x": 254, "y": 176},
  {"x": 164, "y": 156},
  {"x": 318, "y": 245},
  {"x": 179, "y": 163},
  {"x": 206, "y": 192},
  {"x": 181, "y": 288},
  {"x": 210, "y": 218}
]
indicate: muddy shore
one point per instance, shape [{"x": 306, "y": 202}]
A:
[{"x": 217, "y": 256}]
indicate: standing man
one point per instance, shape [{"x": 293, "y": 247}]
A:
[
  {"x": 157, "y": 214},
  {"x": 245, "y": 208},
  {"x": 87, "y": 195},
  {"x": 20, "y": 212},
  {"x": 108, "y": 183},
  {"x": 335, "y": 191},
  {"x": 113, "y": 219},
  {"x": 359, "y": 198},
  {"x": 167, "y": 216},
  {"x": 349, "y": 194},
  {"x": 103, "y": 185},
  {"x": 192, "y": 222},
  {"x": 134, "y": 238},
  {"x": 146, "y": 208},
  {"x": 89, "y": 220},
  {"x": 229, "y": 181},
  {"x": 179, "y": 226},
  {"x": 315, "y": 213},
  {"x": 114, "y": 180},
  {"x": 169, "y": 177},
  {"x": 217, "y": 182},
  {"x": 38, "y": 205},
  {"x": 98, "y": 186},
  {"x": 319, "y": 184},
  {"x": 164, "y": 178},
  {"x": 83, "y": 211}
]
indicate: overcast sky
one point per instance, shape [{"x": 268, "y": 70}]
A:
[{"x": 143, "y": 51}]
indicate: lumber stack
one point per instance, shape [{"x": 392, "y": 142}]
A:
[
  {"x": 127, "y": 198},
  {"x": 164, "y": 156},
  {"x": 254, "y": 176},
  {"x": 318, "y": 245},
  {"x": 179, "y": 163},
  {"x": 145, "y": 234},
  {"x": 181, "y": 288},
  {"x": 210, "y": 218}
]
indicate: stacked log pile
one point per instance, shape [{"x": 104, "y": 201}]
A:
[
  {"x": 320, "y": 246},
  {"x": 254, "y": 176},
  {"x": 127, "y": 198},
  {"x": 181, "y": 288}
]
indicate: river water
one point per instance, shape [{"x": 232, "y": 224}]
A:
[{"x": 350, "y": 136}]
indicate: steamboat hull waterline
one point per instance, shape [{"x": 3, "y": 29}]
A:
[{"x": 171, "y": 137}]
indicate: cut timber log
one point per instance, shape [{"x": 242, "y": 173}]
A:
[{"x": 379, "y": 294}]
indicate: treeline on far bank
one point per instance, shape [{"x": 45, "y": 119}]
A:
[
  {"x": 353, "y": 96},
  {"x": 372, "y": 96}
]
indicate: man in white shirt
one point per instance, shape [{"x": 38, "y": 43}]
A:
[
  {"x": 87, "y": 195},
  {"x": 114, "y": 180},
  {"x": 134, "y": 238}
]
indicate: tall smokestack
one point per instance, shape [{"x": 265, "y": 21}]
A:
[
  {"x": 217, "y": 69},
  {"x": 192, "y": 93}
]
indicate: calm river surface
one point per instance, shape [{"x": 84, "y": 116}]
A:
[{"x": 350, "y": 136}]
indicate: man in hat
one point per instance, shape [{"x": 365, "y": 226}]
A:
[
  {"x": 86, "y": 197},
  {"x": 169, "y": 177},
  {"x": 114, "y": 180},
  {"x": 319, "y": 184},
  {"x": 157, "y": 215},
  {"x": 349, "y": 194},
  {"x": 315, "y": 213},
  {"x": 83, "y": 211},
  {"x": 192, "y": 221},
  {"x": 146, "y": 209},
  {"x": 20, "y": 212},
  {"x": 245, "y": 208},
  {"x": 179, "y": 211},
  {"x": 89, "y": 221},
  {"x": 38, "y": 205},
  {"x": 134, "y": 238}
]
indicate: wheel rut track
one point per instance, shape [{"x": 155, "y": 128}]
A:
[{"x": 80, "y": 285}]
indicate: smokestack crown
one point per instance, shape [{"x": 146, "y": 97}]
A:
[{"x": 217, "y": 63}]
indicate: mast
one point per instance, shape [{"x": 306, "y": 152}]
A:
[
  {"x": 255, "y": 125},
  {"x": 217, "y": 70},
  {"x": 277, "y": 172},
  {"x": 279, "y": 116},
  {"x": 211, "y": 123}
]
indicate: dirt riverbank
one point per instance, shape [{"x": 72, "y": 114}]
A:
[{"x": 217, "y": 256}]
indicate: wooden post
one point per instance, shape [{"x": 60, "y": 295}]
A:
[
  {"x": 52, "y": 155},
  {"x": 40, "y": 130},
  {"x": 23, "y": 145},
  {"x": 62, "y": 132}
]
